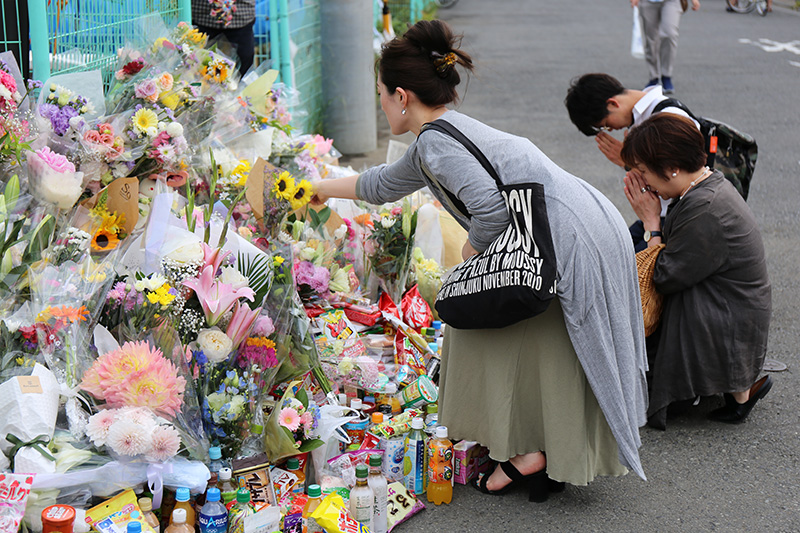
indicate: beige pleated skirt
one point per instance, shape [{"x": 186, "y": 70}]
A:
[{"x": 522, "y": 389}]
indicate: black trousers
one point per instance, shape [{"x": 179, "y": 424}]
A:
[
  {"x": 241, "y": 38},
  {"x": 13, "y": 11}
]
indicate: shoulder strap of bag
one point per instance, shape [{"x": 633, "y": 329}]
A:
[
  {"x": 674, "y": 102},
  {"x": 447, "y": 128}
]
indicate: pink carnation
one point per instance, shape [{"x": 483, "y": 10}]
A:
[{"x": 57, "y": 162}]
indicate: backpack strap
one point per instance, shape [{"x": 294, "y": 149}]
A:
[{"x": 674, "y": 102}]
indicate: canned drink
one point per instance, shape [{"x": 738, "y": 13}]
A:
[
  {"x": 394, "y": 450},
  {"x": 421, "y": 392}
]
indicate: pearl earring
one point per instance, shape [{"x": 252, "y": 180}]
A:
[
  {"x": 674, "y": 174},
  {"x": 403, "y": 112}
]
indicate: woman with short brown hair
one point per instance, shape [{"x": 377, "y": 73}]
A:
[{"x": 713, "y": 273}]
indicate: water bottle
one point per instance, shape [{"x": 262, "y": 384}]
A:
[
  {"x": 414, "y": 460},
  {"x": 213, "y": 515},
  {"x": 362, "y": 500},
  {"x": 440, "y": 468}
]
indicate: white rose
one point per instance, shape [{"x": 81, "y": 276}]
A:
[
  {"x": 188, "y": 253},
  {"x": 340, "y": 232},
  {"x": 215, "y": 344},
  {"x": 174, "y": 129},
  {"x": 232, "y": 276}
]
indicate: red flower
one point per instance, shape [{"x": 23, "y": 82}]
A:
[{"x": 133, "y": 67}]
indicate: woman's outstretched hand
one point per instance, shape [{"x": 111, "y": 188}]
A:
[
  {"x": 319, "y": 197},
  {"x": 644, "y": 202}
]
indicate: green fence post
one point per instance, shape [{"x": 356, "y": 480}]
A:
[
  {"x": 285, "y": 59},
  {"x": 40, "y": 47},
  {"x": 185, "y": 11}
]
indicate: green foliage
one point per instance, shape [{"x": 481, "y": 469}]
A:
[{"x": 259, "y": 272}]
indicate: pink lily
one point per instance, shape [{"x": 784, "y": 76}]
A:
[
  {"x": 241, "y": 323},
  {"x": 215, "y": 297},
  {"x": 214, "y": 256}
]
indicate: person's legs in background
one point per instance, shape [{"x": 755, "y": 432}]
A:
[
  {"x": 668, "y": 31},
  {"x": 242, "y": 40},
  {"x": 650, "y": 15}
]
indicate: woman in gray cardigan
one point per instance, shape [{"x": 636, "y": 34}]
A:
[
  {"x": 561, "y": 394},
  {"x": 712, "y": 272}
]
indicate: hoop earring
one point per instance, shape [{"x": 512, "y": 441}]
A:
[{"x": 403, "y": 112}]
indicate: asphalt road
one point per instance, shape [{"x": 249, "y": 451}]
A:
[{"x": 744, "y": 70}]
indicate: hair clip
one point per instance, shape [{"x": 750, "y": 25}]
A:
[{"x": 444, "y": 62}]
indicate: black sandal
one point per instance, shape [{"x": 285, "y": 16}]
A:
[{"x": 537, "y": 483}]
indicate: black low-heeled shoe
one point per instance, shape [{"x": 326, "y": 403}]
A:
[
  {"x": 734, "y": 412},
  {"x": 537, "y": 483}
]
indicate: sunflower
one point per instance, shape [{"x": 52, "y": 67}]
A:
[
  {"x": 284, "y": 186},
  {"x": 216, "y": 70},
  {"x": 104, "y": 240},
  {"x": 143, "y": 120},
  {"x": 302, "y": 194}
]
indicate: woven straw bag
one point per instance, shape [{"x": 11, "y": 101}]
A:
[{"x": 652, "y": 301}]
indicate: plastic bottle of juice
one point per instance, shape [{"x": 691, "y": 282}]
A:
[
  {"x": 293, "y": 466},
  {"x": 375, "y": 419},
  {"x": 213, "y": 515},
  {"x": 314, "y": 499},
  {"x": 380, "y": 491},
  {"x": 226, "y": 487},
  {"x": 182, "y": 497},
  {"x": 239, "y": 510},
  {"x": 414, "y": 460},
  {"x": 146, "y": 505},
  {"x": 178, "y": 523},
  {"x": 362, "y": 499},
  {"x": 440, "y": 468}
]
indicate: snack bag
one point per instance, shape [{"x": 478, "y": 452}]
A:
[
  {"x": 333, "y": 515},
  {"x": 14, "y": 491},
  {"x": 402, "y": 504},
  {"x": 416, "y": 311},
  {"x": 112, "y": 516}
]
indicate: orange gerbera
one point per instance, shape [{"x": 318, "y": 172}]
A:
[
  {"x": 66, "y": 315},
  {"x": 364, "y": 219}
]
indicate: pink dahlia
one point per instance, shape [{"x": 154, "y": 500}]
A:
[
  {"x": 166, "y": 443},
  {"x": 128, "y": 438},
  {"x": 98, "y": 426}
]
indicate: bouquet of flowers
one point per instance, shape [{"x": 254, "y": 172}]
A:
[
  {"x": 292, "y": 426},
  {"x": 53, "y": 178},
  {"x": 14, "y": 124},
  {"x": 391, "y": 241},
  {"x": 134, "y": 432}
]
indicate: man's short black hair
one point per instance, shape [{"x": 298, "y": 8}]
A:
[{"x": 586, "y": 100}]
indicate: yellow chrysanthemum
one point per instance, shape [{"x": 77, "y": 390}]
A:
[
  {"x": 284, "y": 186},
  {"x": 242, "y": 170},
  {"x": 302, "y": 194},
  {"x": 143, "y": 120},
  {"x": 161, "y": 296}
]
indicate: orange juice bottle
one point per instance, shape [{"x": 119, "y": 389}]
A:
[
  {"x": 314, "y": 499},
  {"x": 182, "y": 501},
  {"x": 440, "y": 467}
]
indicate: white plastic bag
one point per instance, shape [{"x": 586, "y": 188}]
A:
[
  {"x": 332, "y": 418},
  {"x": 637, "y": 45}
]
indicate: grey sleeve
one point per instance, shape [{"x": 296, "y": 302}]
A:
[
  {"x": 389, "y": 183},
  {"x": 459, "y": 172}
]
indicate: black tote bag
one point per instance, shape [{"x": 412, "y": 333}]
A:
[{"x": 515, "y": 277}]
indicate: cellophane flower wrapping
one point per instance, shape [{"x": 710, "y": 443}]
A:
[
  {"x": 390, "y": 244},
  {"x": 293, "y": 426}
]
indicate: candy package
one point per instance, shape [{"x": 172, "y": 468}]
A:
[
  {"x": 14, "y": 491},
  {"x": 113, "y": 516},
  {"x": 402, "y": 505}
]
